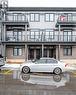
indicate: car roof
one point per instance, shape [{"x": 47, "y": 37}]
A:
[{"x": 46, "y": 58}]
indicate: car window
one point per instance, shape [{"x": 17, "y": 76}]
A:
[
  {"x": 43, "y": 61},
  {"x": 51, "y": 61}
]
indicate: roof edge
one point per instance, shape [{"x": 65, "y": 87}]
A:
[{"x": 41, "y": 8}]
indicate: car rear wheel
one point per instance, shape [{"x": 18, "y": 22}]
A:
[
  {"x": 25, "y": 69},
  {"x": 57, "y": 71}
]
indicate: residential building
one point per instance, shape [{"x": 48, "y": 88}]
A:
[{"x": 28, "y": 33}]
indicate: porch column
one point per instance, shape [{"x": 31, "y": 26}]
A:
[
  {"x": 25, "y": 36},
  {"x": 26, "y": 52},
  {"x": 48, "y": 53},
  {"x": 4, "y": 31},
  {"x": 59, "y": 52},
  {"x": 42, "y": 50},
  {"x": 59, "y": 45},
  {"x": 0, "y": 32},
  {"x": 34, "y": 53},
  {"x": 4, "y": 51}
]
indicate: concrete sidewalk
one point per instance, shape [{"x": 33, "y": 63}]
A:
[{"x": 11, "y": 66}]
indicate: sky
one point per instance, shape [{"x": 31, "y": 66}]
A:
[{"x": 42, "y": 3}]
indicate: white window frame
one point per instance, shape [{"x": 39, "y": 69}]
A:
[
  {"x": 17, "y": 51},
  {"x": 48, "y": 17},
  {"x": 34, "y": 17}
]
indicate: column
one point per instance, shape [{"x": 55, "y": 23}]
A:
[
  {"x": 0, "y": 32},
  {"x": 42, "y": 50},
  {"x": 34, "y": 53},
  {"x": 26, "y": 52},
  {"x": 4, "y": 17},
  {"x": 59, "y": 33},
  {"x": 4, "y": 32},
  {"x": 59, "y": 52},
  {"x": 47, "y": 52},
  {"x": 3, "y": 47},
  {"x": 26, "y": 33},
  {"x": 59, "y": 45}
]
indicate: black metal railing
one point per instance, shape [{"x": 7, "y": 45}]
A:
[{"x": 39, "y": 38}]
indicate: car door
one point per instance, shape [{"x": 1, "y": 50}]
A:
[
  {"x": 39, "y": 66},
  {"x": 51, "y": 64}
]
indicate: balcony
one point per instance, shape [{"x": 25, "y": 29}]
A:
[
  {"x": 15, "y": 18},
  {"x": 66, "y": 20},
  {"x": 38, "y": 38}
]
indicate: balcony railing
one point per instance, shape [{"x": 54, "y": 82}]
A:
[
  {"x": 16, "y": 18},
  {"x": 38, "y": 38}
]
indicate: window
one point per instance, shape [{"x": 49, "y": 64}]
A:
[
  {"x": 18, "y": 35},
  {"x": 67, "y": 35},
  {"x": 49, "y": 34},
  {"x": 23, "y": 17},
  {"x": 51, "y": 61},
  {"x": 67, "y": 51},
  {"x": 15, "y": 17},
  {"x": 74, "y": 17},
  {"x": 37, "y": 35},
  {"x": 10, "y": 17},
  {"x": 41, "y": 61},
  {"x": 69, "y": 17},
  {"x": 17, "y": 51},
  {"x": 56, "y": 17},
  {"x": 34, "y": 34},
  {"x": 20, "y": 17},
  {"x": 49, "y": 17},
  {"x": 34, "y": 17}
]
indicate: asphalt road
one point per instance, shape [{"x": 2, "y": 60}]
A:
[{"x": 15, "y": 83}]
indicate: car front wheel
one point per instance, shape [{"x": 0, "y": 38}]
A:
[
  {"x": 25, "y": 69},
  {"x": 57, "y": 71}
]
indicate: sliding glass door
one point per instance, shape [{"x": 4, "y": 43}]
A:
[
  {"x": 67, "y": 35},
  {"x": 17, "y": 35}
]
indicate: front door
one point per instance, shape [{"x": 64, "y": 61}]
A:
[
  {"x": 38, "y": 53},
  {"x": 31, "y": 54}
]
